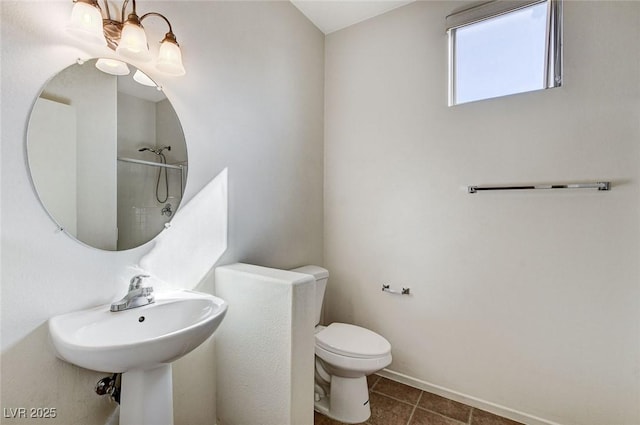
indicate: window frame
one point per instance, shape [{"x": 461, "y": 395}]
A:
[{"x": 495, "y": 8}]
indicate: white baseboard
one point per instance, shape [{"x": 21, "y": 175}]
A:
[{"x": 466, "y": 399}]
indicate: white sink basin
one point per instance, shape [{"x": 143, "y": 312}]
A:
[{"x": 139, "y": 338}]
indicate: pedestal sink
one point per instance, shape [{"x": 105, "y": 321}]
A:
[{"x": 140, "y": 343}]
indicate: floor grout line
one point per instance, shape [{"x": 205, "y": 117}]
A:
[
  {"x": 415, "y": 406},
  {"x": 375, "y": 383},
  {"x": 442, "y": 415},
  {"x": 396, "y": 399}
]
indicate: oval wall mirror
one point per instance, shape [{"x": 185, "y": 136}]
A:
[{"x": 107, "y": 154}]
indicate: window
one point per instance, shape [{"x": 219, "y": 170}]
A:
[{"x": 504, "y": 47}]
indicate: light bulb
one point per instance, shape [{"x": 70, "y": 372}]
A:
[
  {"x": 170, "y": 57},
  {"x": 133, "y": 41},
  {"x": 142, "y": 78},
  {"x": 86, "y": 23},
  {"x": 112, "y": 66}
]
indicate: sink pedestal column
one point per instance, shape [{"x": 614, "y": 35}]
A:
[{"x": 146, "y": 397}]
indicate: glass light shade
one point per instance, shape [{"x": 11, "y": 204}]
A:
[
  {"x": 133, "y": 43},
  {"x": 142, "y": 78},
  {"x": 170, "y": 59},
  {"x": 86, "y": 23},
  {"x": 112, "y": 66}
]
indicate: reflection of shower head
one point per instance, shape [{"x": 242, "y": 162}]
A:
[
  {"x": 163, "y": 161},
  {"x": 156, "y": 151}
]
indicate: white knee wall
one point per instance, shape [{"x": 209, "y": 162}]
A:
[{"x": 265, "y": 346}]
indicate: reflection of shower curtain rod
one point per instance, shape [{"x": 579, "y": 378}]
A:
[
  {"x": 182, "y": 168},
  {"x": 153, "y": 164}
]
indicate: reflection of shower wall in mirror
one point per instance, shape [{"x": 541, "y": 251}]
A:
[
  {"x": 138, "y": 222},
  {"x": 136, "y": 125},
  {"x": 168, "y": 131},
  {"x": 144, "y": 123}
]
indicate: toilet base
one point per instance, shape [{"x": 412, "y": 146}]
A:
[{"x": 348, "y": 400}]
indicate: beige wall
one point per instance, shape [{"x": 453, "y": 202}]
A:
[
  {"x": 529, "y": 301},
  {"x": 251, "y": 102}
]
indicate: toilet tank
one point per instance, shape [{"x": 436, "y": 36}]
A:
[{"x": 322, "y": 276}]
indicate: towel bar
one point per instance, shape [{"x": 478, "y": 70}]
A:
[{"x": 597, "y": 185}]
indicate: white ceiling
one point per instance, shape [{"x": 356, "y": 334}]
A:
[{"x": 333, "y": 15}]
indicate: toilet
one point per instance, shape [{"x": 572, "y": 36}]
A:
[{"x": 345, "y": 355}]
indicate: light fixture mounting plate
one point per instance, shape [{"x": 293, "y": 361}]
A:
[{"x": 112, "y": 32}]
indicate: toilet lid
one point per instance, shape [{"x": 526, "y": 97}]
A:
[{"x": 352, "y": 341}]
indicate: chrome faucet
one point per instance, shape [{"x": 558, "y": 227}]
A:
[{"x": 137, "y": 295}]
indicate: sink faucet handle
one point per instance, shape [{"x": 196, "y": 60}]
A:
[{"x": 136, "y": 281}]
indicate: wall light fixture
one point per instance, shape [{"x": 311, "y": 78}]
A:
[{"x": 126, "y": 36}]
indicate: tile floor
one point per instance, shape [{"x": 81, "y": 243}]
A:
[{"x": 393, "y": 403}]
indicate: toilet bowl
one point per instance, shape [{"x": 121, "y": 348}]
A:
[{"x": 345, "y": 355}]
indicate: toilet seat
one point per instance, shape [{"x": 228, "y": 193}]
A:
[{"x": 352, "y": 341}]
